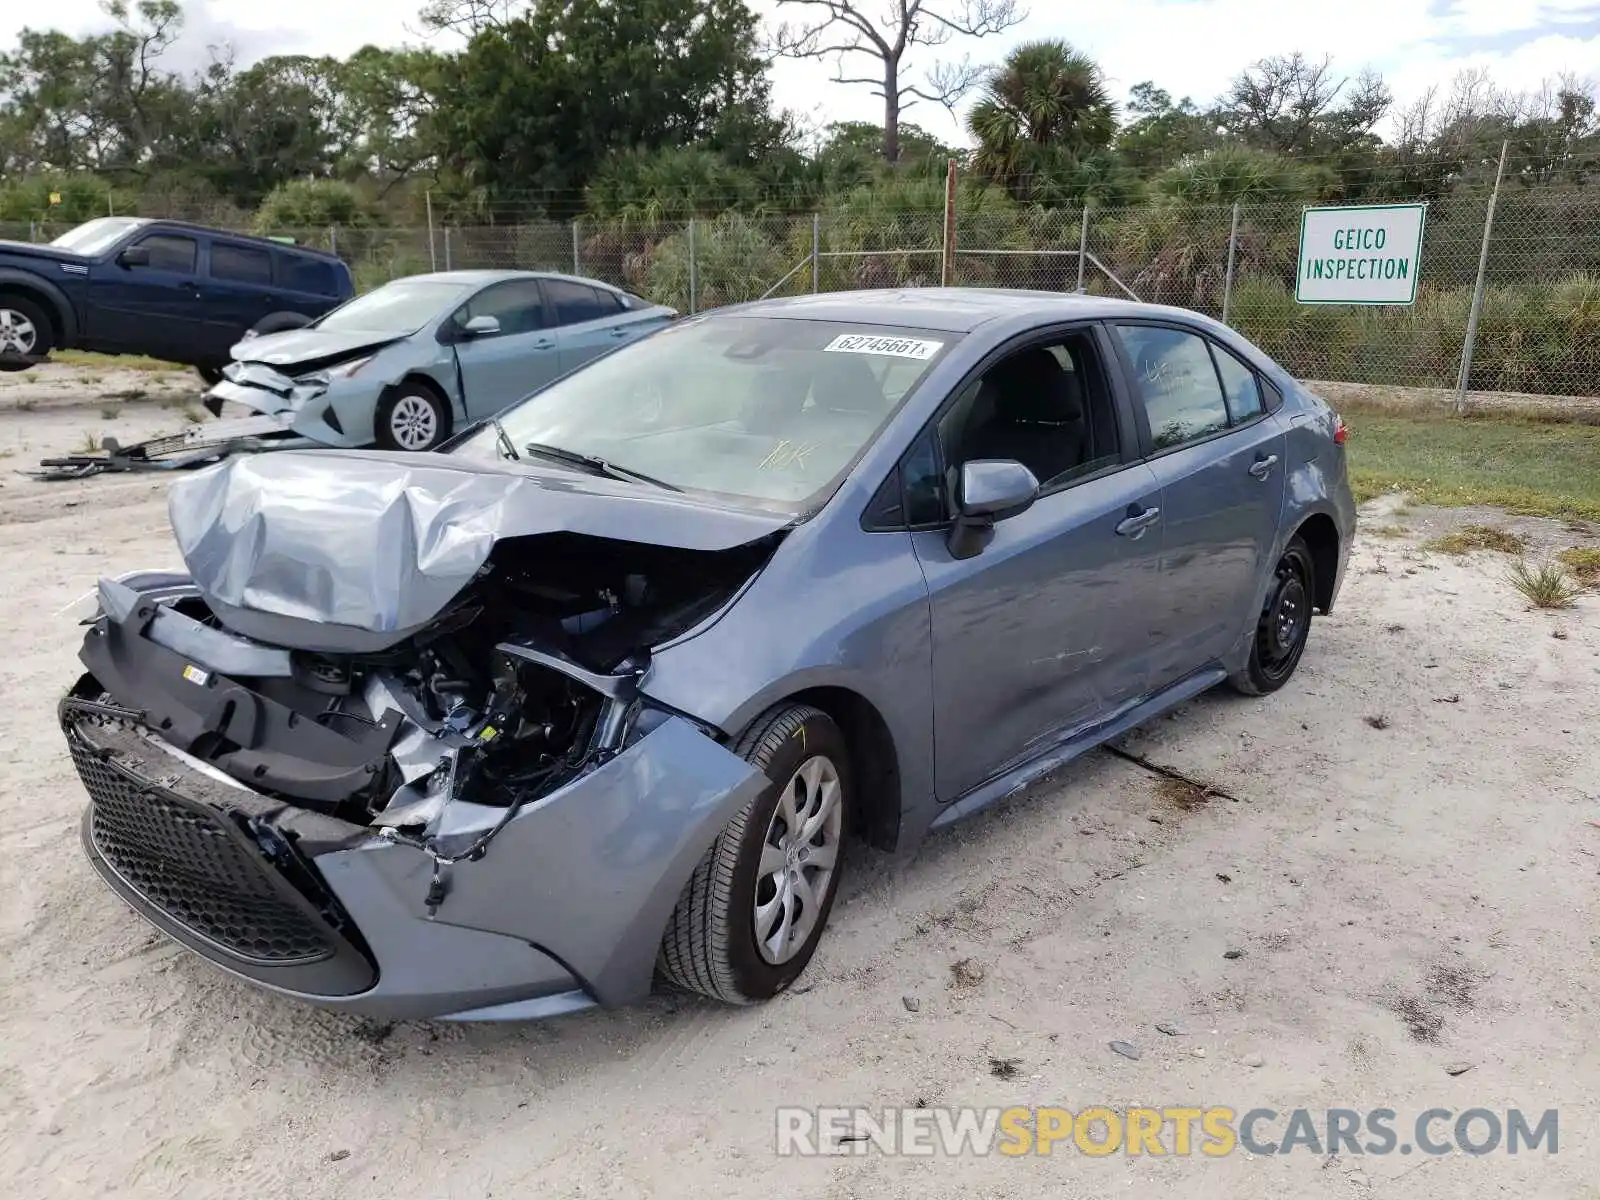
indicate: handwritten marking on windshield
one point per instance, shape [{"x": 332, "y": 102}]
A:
[{"x": 787, "y": 454}]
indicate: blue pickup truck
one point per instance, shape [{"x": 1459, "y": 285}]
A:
[{"x": 174, "y": 291}]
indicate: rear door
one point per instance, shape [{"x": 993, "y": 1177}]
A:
[
  {"x": 238, "y": 292},
  {"x": 500, "y": 368},
  {"x": 590, "y": 321},
  {"x": 155, "y": 308},
  {"x": 1219, "y": 457}
]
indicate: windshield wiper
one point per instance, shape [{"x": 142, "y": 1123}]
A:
[
  {"x": 504, "y": 438},
  {"x": 597, "y": 465}
]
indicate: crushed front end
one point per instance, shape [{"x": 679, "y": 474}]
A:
[{"x": 484, "y": 819}]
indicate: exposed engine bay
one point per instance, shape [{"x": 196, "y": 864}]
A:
[{"x": 527, "y": 679}]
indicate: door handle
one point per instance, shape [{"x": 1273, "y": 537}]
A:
[
  {"x": 1137, "y": 521},
  {"x": 544, "y": 344},
  {"x": 1262, "y": 467},
  {"x": 620, "y": 332}
]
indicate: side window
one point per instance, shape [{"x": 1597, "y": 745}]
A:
[
  {"x": 1046, "y": 406},
  {"x": 1177, "y": 383},
  {"x": 309, "y": 275},
  {"x": 518, "y": 306},
  {"x": 922, "y": 483},
  {"x": 1239, "y": 386},
  {"x": 169, "y": 253},
  {"x": 243, "y": 264},
  {"x": 576, "y": 302}
]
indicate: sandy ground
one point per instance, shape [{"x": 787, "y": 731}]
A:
[{"x": 1405, "y": 898}]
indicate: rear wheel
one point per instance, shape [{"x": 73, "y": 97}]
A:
[
  {"x": 210, "y": 374},
  {"x": 26, "y": 335},
  {"x": 1284, "y": 624},
  {"x": 754, "y": 910}
]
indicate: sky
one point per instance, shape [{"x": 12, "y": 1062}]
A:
[{"x": 1188, "y": 47}]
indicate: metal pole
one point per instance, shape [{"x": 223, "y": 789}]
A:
[
  {"x": 333, "y": 238},
  {"x": 447, "y": 247},
  {"x": 694, "y": 271},
  {"x": 1477, "y": 289},
  {"x": 1227, "y": 279},
  {"x": 577, "y": 249},
  {"x": 816, "y": 253},
  {"x": 949, "y": 259},
  {"x": 1083, "y": 244},
  {"x": 433, "y": 254}
]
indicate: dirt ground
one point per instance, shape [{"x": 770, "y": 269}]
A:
[{"x": 1403, "y": 845}]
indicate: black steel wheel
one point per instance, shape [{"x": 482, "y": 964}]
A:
[{"x": 1284, "y": 624}]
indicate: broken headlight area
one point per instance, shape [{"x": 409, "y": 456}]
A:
[{"x": 528, "y": 680}]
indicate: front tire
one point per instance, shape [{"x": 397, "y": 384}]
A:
[
  {"x": 26, "y": 334},
  {"x": 411, "y": 417},
  {"x": 1284, "y": 624},
  {"x": 755, "y": 908}
]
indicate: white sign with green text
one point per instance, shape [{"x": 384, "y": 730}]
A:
[{"x": 1366, "y": 254}]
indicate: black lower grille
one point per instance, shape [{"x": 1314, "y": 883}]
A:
[{"x": 192, "y": 861}]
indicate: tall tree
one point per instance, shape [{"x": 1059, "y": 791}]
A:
[
  {"x": 846, "y": 32},
  {"x": 1161, "y": 131}
]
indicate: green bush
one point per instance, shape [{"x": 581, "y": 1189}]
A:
[
  {"x": 314, "y": 204},
  {"x": 734, "y": 261}
]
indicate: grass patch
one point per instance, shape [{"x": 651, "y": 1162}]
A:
[
  {"x": 89, "y": 445},
  {"x": 1584, "y": 563},
  {"x": 1385, "y": 531},
  {"x": 27, "y": 405},
  {"x": 1477, "y": 537},
  {"x": 1528, "y": 467},
  {"x": 194, "y": 414},
  {"x": 1546, "y": 585},
  {"x": 85, "y": 359},
  {"x": 111, "y": 412}
]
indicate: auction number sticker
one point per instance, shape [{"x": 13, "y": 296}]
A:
[{"x": 896, "y": 347}]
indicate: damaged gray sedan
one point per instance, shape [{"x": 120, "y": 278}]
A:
[
  {"x": 406, "y": 364},
  {"x": 605, "y": 691}
]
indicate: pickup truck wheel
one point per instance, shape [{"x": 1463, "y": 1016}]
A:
[
  {"x": 411, "y": 417},
  {"x": 211, "y": 375},
  {"x": 26, "y": 335},
  {"x": 755, "y": 908}
]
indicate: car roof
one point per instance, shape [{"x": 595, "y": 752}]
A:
[
  {"x": 192, "y": 227},
  {"x": 482, "y": 277},
  {"x": 951, "y": 310}
]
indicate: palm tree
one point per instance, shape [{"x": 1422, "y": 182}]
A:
[{"x": 1044, "y": 111}]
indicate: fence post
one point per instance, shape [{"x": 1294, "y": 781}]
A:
[
  {"x": 447, "y": 247},
  {"x": 433, "y": 254},
  {"x": 333, "y": 238},
  {"x": 1227, "y": 278},
  {"x": 577, "y": 248},
  {"x": 947, "y": 264},
  {"x": 694, "y": 271},
  {"x": 816, "y": 252},
  {"x": 1083, "y": 243},
  {"x": 1477, "y": 289},
  {"x": 33, "y": 231}
]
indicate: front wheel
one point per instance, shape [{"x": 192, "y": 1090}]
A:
[
  {"x": 1284, "y": 624},
  {"x": 411, "y": 417},
  {"x": 754, "y": 910}
]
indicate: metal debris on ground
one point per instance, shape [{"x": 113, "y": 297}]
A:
[
  {"x": 1127, "y": 1050},
  {"x": 197, "y": 447}
]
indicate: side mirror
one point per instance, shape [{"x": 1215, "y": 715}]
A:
[
  {"x": 135, "y": 256},
  {"x": 481, "y": 327},
  {"x": 988, "y": 490}
]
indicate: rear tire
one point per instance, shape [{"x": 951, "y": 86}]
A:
[
  {"x": 1283, "y": 625},
  {"x": 27, "y": 334},
  {"x": 411, "y": 417},
  {"x": 755, "y": 908},
  {"x": 210, "y": 375}
]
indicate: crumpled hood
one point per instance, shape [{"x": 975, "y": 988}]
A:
[
  {"x": 295, "y": 347},
  {"x": 352, "y": 551}
]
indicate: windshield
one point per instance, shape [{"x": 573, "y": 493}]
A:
[
  {"x": 759, "y": 409},
  {"x": 396, "y": 308},
  {"x": 94, "y": 236}
]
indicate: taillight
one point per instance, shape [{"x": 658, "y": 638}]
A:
[{"x": 1339, "y": 430}]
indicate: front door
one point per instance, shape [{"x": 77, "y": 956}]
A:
[
  {"x": 1044, "y": 632},
  {"x": 1220, "y": 459},
  {"x": 153, "y": 308},
  {"x": 501, "y": 368}
]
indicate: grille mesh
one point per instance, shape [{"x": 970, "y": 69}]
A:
[{"x": 181, "y": 858}]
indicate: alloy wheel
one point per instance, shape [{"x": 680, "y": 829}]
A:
[
  {"x": 413, "y": 423},
  {"x": 17, "y": 333}
]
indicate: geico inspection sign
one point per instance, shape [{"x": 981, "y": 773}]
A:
[{"x": 1366, "y": 254}]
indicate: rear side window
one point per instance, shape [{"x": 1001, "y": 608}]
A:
[
  {"x": 1239, "y": 386},
  {"x": 169, "y": 253},
  {"x": 577, "y": 302},
  {"x": 241, "y": 264},
  {"x": 298, "y": 273},
  {"x": 1177, "y": 384}
]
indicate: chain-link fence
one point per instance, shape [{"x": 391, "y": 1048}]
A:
[{"x": 1538, "y": 332}]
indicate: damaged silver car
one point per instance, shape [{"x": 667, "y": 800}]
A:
[
  {"x": 403, "y": 366},
  {"x": 605, "y": 691}
]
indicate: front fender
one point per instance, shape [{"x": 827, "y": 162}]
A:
[{"x": 60, "y": 306}]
